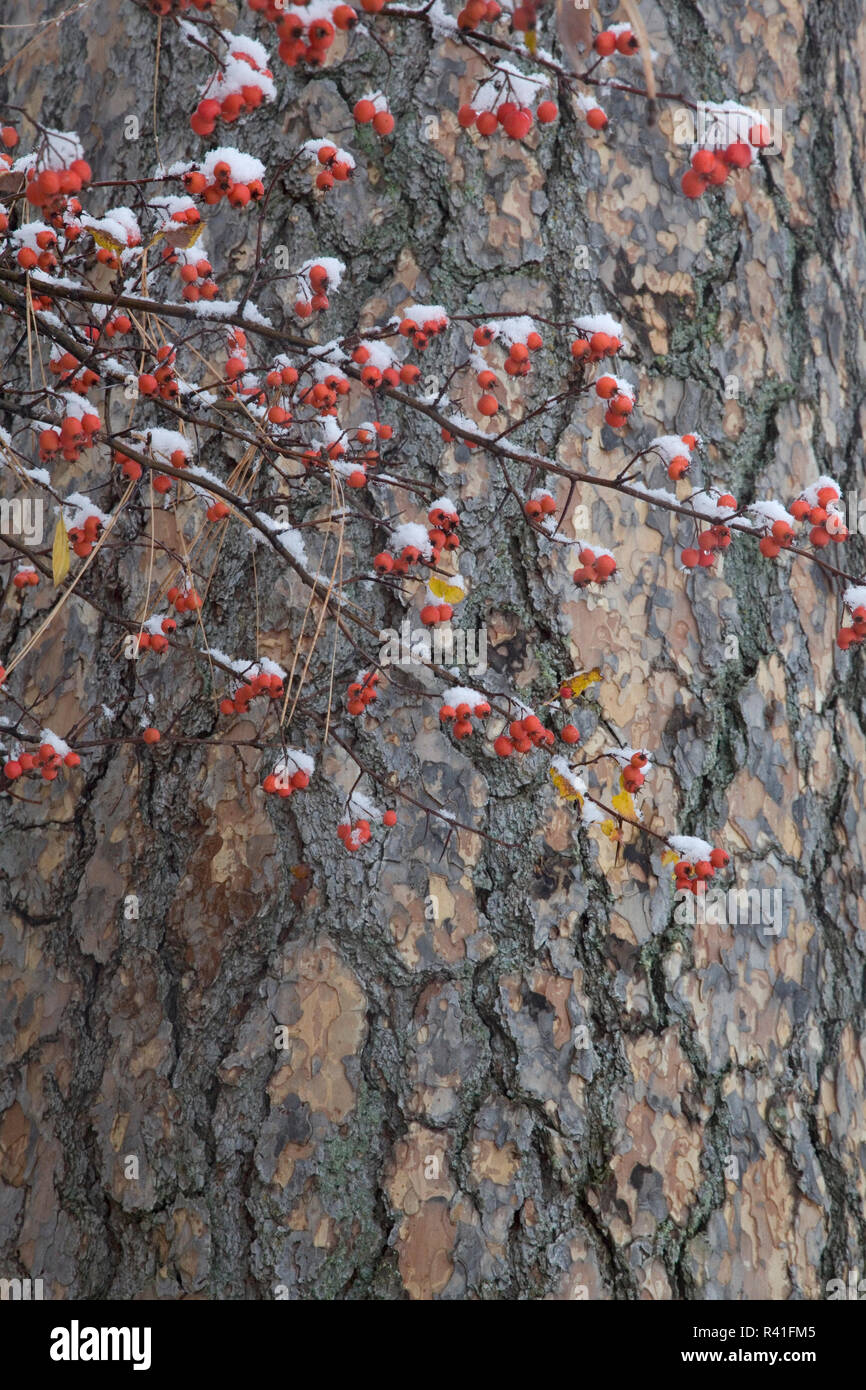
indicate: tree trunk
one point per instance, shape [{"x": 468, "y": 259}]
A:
[{"x": 241, "y": 1063}]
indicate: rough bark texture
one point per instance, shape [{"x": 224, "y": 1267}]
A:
[{"x": 434, "y": 997}]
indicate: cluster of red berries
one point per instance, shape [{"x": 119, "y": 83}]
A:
[
  {"x": 517, "y": 363},
  {"x": 710, "y": 167},
  {"x": 162, "y": 381},
  {"x": 523, "y": 736},
  {"x": 62, "y": 363},
  {"x": 111, "y": 327},
  {"x": 25, "y": 577},
  {"x": 780, "y": 537},
  {"x": 42, "y": 255},
  {"x": 84, "y": 537},
  {"x": 305, "y": 42},
  {"x": 76, "y": 433},
  {"x": 363, "y": 436},
  {"x": 366, "y": 458},
  {"x": 443, "y": 529},
  {"x": 594, "y": 569},
  {"x": 222, "y": 185},
  {"x": 515, "y": 120},
  {"x": 632, "y": 774},
  {"x": 197, "y": 282},
  {"x": 595, "y": 347},
  {"x": 619, "y": 39},
  {"x": 851, "y": 636},
  {"x": 161, "y": 482},
  {"x": 374, "y": 111},
  {"x": 827, "y": 523},
  {"x": 186, "y": 214},
  {"x": 46, "y": 763},
  {"x": 689, "y": 876},
  {"x": 487, "y": 404},
  {"x": 129, "y": 467},
  {"x": 316, "y": 277},
  {"x": 385, "y": 563},
  {"x": 281, "y": 376},
  {"x": 362, "y": 692},
  {"x": 462, "y": 714},
  {"x": 422, "y": 330},
  {"x": 184, "y": 600},
  {"x": 477, "y": 12},
  {"x": 373, "y": 376},
  {"x": 261, "y": 683},
  {"x": 407, "y": 375},
  {"x": 49, "y": 189},
  {"x": 714, "y": 538},
  {"x": 322, "y": 396},
  {"x": 237, "y": 361},
  {"x": 680, "y": 464},
  {"x": 234, "y": 103},
  {"x": 334, "y": 169},
  {"x": 354, "y": 834},
  {"x": 157, "y": 641},
  {"x": 433, "y": 613},
  {"x": 620, "y": 403},
  {"x": 539, "y": 504},
  {"x": 283, "y": 783}
]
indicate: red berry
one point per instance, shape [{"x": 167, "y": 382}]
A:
[
  {"x": 738, "y": 155},
  {"x": 693, "y": 184}
]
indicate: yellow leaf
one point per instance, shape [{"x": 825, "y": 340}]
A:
[
  {"x": 623, "y": 803},
  {"x": 531, "y": 41},
  {"x": 579, "y": 683},
  {"x": 448, "y": 593},
  {"x": 670, "y": 856},
  {"x": 565, "y": 788},
  {"x": 60, "y": 553},
  {"x": 179, "y": 235},
  {"x": 105, "y": 240},
  {"x": 608, "y": 827}
]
